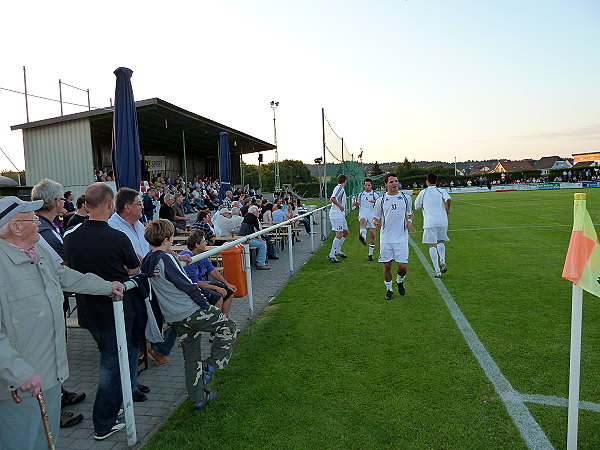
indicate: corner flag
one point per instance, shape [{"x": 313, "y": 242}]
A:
[{"x": 582, "y": 265}]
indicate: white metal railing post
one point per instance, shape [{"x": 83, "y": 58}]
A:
[
  {"x": 248, "y": 266},
  {"x": 312, "y": 233},
  {"x": 124, "y": 369},
  {"x": 290, "y": 245}
]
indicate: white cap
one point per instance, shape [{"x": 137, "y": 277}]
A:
[{"x": 11, "y": 206}]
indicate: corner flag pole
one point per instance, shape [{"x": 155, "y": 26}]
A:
[
  {"x": 574, "y": 367},
  {"x": 575, "y": 265}
]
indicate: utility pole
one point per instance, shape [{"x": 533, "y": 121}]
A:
[{"x": 274, "y": 106}]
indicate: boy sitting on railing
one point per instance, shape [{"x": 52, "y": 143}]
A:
[{"x": 187, "y": 311}]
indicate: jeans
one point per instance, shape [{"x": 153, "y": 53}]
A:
[
  {"x": 261, "y": 257},
  {"x": 109, "y": 395},
  {"x": 164, "y": 348}
]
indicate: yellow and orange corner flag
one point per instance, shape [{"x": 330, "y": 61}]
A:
[{"x": 582, "y": 265}]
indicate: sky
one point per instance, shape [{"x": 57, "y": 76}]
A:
[{"x": 422, "y": 79}]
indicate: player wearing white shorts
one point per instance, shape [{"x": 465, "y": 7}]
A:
[
  {"x": 393, "y": 212},
  {"x": 435, "y": 203},
  {"x": 337, "y": 216},
  {"x": 365, "y": 201}
]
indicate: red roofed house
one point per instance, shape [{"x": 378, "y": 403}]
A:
[{"x": 510, "y": 166}]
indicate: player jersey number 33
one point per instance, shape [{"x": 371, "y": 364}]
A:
[{"x": 392, "y": 211}]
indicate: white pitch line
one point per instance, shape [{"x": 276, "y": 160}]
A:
[
  {"x": 472, "y": 203},
  {"x": 531, "y": 432},
  {"x": 512, "y": 228},
  {"x": 552, "y": 400}
]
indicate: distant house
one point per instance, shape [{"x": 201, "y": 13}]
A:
[
  {"x": 511, "y": 166},
  {"x": 548, "y": 163},
  {"x": 587, "y": 164},
  {"x": 586, "y": 156},
  {"x": 476, "y": 170}
]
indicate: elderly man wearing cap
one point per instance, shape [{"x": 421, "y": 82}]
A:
[{"x": 33, "y": 352}]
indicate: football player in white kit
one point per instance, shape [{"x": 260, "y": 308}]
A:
[
  {"x": 393, "y": 212},
  {"x": 435, "y": 203},
  {"x": 337, "y": 216},
  {"x": 365, "y": 201}
]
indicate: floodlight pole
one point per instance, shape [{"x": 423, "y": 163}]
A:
[{"x": 274, "y": 106}]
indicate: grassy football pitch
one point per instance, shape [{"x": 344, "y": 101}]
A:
[{"x": 331, "y": 364}]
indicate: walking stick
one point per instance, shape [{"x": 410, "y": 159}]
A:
[{"x": 43, "y": 412}]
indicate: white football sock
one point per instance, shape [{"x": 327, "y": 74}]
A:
[
  {"x": 400, "y": 278},
  {"x": 441, "y": 248},
  {"x": 388, "y": 285},
  {"x": 433, "y": 253},
  {"x": 339, "y": 249},
  {"x": 334, "y": 247},
  {"x": 371, "y": 249},
  {"x": 363, "y": 232}
]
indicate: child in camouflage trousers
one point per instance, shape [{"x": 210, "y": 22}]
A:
[{"x": 187, "y": 311}]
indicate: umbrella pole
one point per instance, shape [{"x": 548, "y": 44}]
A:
[{"x": 124, "y": 369}]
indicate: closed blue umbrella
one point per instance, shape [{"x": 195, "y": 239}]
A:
[
  {"x": 126, "y": 140},
  {"x": 224, "y": 164}
]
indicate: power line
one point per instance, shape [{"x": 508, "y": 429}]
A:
[{"x": 54, "y": 100}]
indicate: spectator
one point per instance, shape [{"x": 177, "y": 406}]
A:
[
  {"x": 251, "y": 225},
  {"x": 227, "y": 201},
  {"x": 31, "y": 358},
  {"x": 279, "y": 215},
  {"x": 80, "y": 215},
  {"x": 51, "y": 194},
  {"x": 165, "y": 211},
  {"x": 69, "y": 206},
  {"x": 236, "y": 217},
  {"x": 202, "y": 224},
  {"x": 226, "y": 224},
  {"x": 244, "y": 209},
  {"x": 218, "y": 293},
  {"x": 97, "y": 248},
  {"x": 188, "y": 312},
  {"x": 179, "y": 216},
  {"x": 267, "y": 213},
  {"x": 148, "y": 202},
  {"x": 128, "y": 212}
]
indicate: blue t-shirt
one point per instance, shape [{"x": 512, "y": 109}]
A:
[{"x": 199, "y": 270}]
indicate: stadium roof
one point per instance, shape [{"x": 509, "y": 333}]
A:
[{"x": 161, "y": 125}]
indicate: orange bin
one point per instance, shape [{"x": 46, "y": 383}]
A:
[{"x": 233, "y": 264}]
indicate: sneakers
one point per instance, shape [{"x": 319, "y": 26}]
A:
[
  {"x": 438, "y": 275},
  {"x": 159, "y": 359},
  {"x": 143, "y": 388},
  {"x": 401, "y": 289},
  {"x": 208, "y": 396},
  {"x": 333, "y": 259},
  {"x": 389, "y": 295},
  {"x": 363, "y": 239},
  {"x": 116, "y": 427},
  {"x": 342, "y": 255},
  {"x": 443, "y": 267},
  {"x": 71, "y": 398},
  {"x": 265, "y": 267},
  {"x": 370, "y": 258},
  {"x": 69, "y": 419}
]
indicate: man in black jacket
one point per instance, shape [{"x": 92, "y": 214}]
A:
[{"x": 97, "y": 248}]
